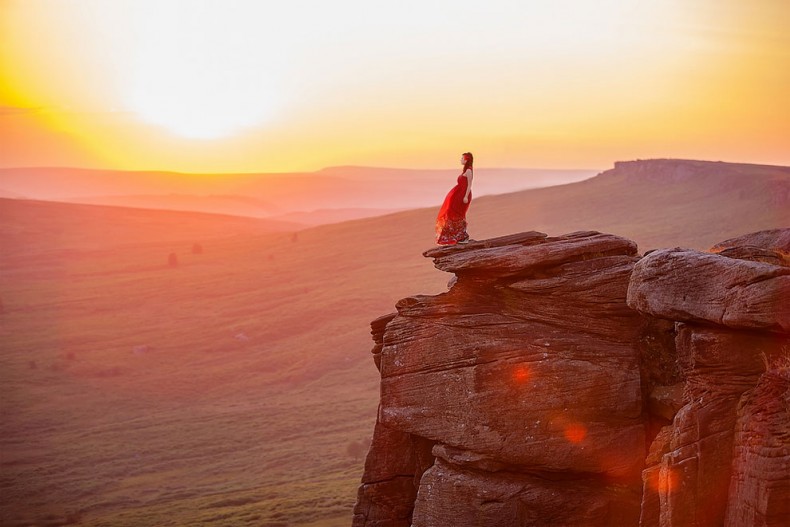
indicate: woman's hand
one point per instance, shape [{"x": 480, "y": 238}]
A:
[{"x": 466, "y": 200}]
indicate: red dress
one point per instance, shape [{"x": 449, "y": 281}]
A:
[{"x": 451, "y": 221}]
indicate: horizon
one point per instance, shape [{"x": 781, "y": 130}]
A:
[
  {"x": 248, "y": 87},
  {"x": 331, "y": 188},
  {"x": 330, "y": 195},
  {"x": 329, "y": 167},
  {"x": 318, "y": 170}
]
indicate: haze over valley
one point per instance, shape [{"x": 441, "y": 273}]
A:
[
  {"x": 325, "y": 196},
  {"x": 234, "y": 385}
]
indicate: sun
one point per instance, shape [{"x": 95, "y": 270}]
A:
[
  {"x": 200, "y": 72},
  {"x": 206, "y": 102}
]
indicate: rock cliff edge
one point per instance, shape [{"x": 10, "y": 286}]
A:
[{"x": 570, "y": 381}]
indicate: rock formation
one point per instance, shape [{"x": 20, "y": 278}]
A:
[
  {"x": 725, "y": 460},
  {"x": 569, "y": 381}
]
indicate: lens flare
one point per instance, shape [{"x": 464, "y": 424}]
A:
[
  {"x": 575, "y": 433},
  {"x": 521, "y": 374},
  {"x": 668, "y": 480}
]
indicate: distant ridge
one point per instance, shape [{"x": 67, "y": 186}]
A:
[
  {"x": 655, "y": 202},
  {"x": 680, "y": 169},
  {"x": 346, "y": 191}
]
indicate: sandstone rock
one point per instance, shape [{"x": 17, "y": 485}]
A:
[
  {"x": 530, "y": 389},
  {"x": 468, "y": 459},
  {"x": 651, "y": 479},
  {"x": 665, "y": 401},
  {"x": 658, "y": 359},
  {"x": 650, "y": 508},
  {"x": 717, "y": 296},
  {"x": 760, "y": 490},
  {"x": 393, "y": 469},
  {"x": 516, "y": 371},
  {"x": 509, "y": 260},
  {"x": 694, "y": 474},
  {"x": 377, "y": 328},
  {"x": 526, "y": 374},
  {"x": 452, "y": 496},
  {"x": 756, "y": 254},
  {"x": 523, "y": 238},
  {"x": 773, "y": 239},
  {"x": 771, "y": 246},
  {"x": 690, "y": 286},
  {"x": 660, "y": 446}
]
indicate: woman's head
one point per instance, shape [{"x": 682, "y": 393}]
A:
[{"x": 467, "y": 159}]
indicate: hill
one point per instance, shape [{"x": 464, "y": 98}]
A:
[
  {"x": 657, "y": 203},
  {"x": 236, "y": 388},
  {"x": 33, "y": 226},
  {"x": 337, "y": 194}
]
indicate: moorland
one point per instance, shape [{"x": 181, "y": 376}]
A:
[{"x": 233, "y": 384}]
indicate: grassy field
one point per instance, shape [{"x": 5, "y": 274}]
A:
[
  {"x": 231, "y": 389},
  {"x": 224, "y": 391}
]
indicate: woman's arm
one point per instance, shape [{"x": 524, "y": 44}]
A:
[{"x": 469, "y": 176}]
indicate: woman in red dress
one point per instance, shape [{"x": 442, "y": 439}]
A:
[{"x": 451, "y": 221}]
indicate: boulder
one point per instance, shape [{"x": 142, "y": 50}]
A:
[
  {"x": 690, "y": 286},
  {"x": 770, "y": 246},
  {"x": 538, "y": 253},
  {"x": 772, "y": 239},
  {"x": 756, "y": 254},
  {"x": 720, "y": 462}
]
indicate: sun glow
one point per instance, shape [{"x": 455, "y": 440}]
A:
[
  {"x": 282, "y": 86},
  {"x": 196, "y": 82}
]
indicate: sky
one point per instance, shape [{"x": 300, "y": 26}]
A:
[{"x": 264, "y": 86}]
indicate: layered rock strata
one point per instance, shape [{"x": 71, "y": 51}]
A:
[
  {"x": 725, "y": 460},
  {"x": 525, "y": 376},
  {"x": 569, "y": 381}
]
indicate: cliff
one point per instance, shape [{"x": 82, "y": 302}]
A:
[{"x": 569, "y": 381}]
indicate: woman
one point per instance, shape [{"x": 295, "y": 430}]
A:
[{"x": 451, "y": 221}]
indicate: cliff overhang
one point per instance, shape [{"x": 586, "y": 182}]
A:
[{"x": 569, "y": 381}]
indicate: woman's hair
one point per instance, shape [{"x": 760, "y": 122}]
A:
[{"x": 468, "y": 160}]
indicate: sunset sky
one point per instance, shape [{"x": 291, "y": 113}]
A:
[{"x": 263, "y": 86}]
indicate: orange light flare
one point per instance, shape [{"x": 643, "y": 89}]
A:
[
  {"x": 662, "y": 480},
  {"x": 668, "y": 480},
  {"x": 521, "y": 374},
  {"x": 575, "y": 433}
]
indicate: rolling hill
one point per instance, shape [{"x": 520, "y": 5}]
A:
[
  {"x": 235, "y": 388},
  {"x": 45, "y": 225},
  {"x": 328, "y": 195}
]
